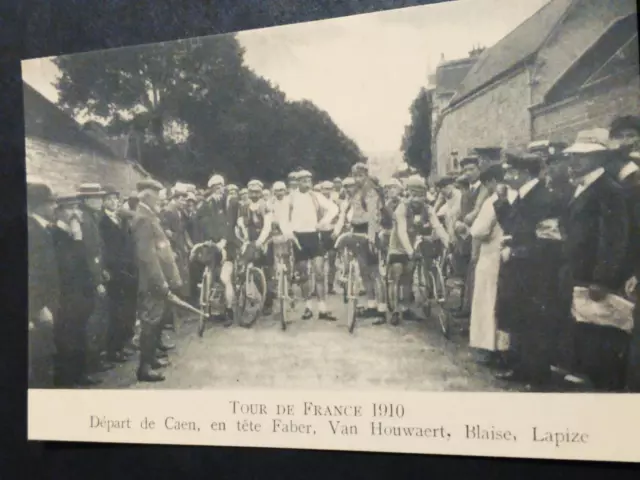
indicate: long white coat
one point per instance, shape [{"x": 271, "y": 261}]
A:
[{"x": 483, "y": 332}]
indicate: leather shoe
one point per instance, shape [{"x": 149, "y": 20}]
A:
[
  {"x": 308, "y": 314},
  {"x": 327, "y": 316},
  {"x": 160, "y": 363},
  {"x": 165, "y": 347},
  {"x": 148, "y": 375}
]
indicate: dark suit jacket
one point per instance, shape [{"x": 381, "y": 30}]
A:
[
  {"x": 157, "y": 269},
  {"x": 44, "y": 282},
  {"x": 215, "y": 221},
  {"x": 119, "y": 250},
  {"x": 528, "y": 284},
  {"x": 94, "y": 245},
  {"x": 597, "y": 235}
]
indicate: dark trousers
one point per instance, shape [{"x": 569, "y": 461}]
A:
[
  {"x": 151, "y": 311},
  {"x": 122, "y": 299},
  {"x": 41, "y": 356},
  {"x": 70, "y": 333},
  {"x": 96, "y": 333},
  {"x": 196, "y": 269},
  {"x": 467, "y": 290}
]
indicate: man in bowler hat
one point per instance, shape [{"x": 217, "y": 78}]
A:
[
  {"x": 158, "y": 275},
  {"x": 44, "y": 284}
]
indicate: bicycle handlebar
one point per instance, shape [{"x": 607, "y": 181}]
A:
[{"x": 348, "y": 237}]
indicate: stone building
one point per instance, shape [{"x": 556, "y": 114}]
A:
[
  {"x": 62, "y": 153},
  {"x": 572, "y": 65}
]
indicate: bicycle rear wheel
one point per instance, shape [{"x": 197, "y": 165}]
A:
[
  {"x": 352, "y": 297},
  {"x": 441, "y": 296},
  {"x": 205, "y": 299},
  {"x": 283, "y": 295}
]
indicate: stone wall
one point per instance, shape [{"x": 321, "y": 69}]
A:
[
  {"x": 594, "y": 108},
  {"x": 498, "y": 117},
  {"x": 64, "y": 167}
]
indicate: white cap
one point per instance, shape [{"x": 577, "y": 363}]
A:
[
  {"x": 589, "y": 141},
  {"x": 416, "y": 181},
  {"x": 326, "y": 185},
  {"x": 215, "y": 180},
  {"x": 254, "y": 185},
  {"x": 304, "y": 174},
  {"x": 349, "y": 181},
  {"x": 279, "y": 186},
  {"x": 191, "y": 197},
  {"x": 232, "y": 187}
]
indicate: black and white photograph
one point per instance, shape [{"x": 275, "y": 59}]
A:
[{"x": 442, "y": 198}]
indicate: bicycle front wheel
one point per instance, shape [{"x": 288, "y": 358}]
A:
[
  {"x": 283, "y": 295},
  {"x": 352, "y": 297},
  {"x": 205, "y": 299}
]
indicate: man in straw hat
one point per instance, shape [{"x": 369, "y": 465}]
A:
[
  {"x": 597, "y": 245},
  {"x": 44, "y": 284},
  {"x": 91, "y": 197},
  {"x": 158, "y": 275}
]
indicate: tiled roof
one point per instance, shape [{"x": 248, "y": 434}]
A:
[
  {"x": 449, "y": 76},
  {"x": 524, "y": 41}
]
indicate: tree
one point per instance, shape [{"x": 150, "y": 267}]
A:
[
  {"x": 416, "y": 142},
  {"x": 193, "y": 107}
]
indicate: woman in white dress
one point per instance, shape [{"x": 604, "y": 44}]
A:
[{"x": 483, "y": 332}]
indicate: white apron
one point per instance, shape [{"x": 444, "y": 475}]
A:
[{"x": 483, "y": 332}]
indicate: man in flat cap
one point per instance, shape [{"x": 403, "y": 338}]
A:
[
  {"x": 44, "y": 284},
  {"x": 158, "y": 275},
  {"x": 174, "y": 220},
  {"x": 120, "y": 264},
  {"x": 597, "y": 245},
  {"x": 91, "y": 197},
  {"x": 525, "y": 287}
]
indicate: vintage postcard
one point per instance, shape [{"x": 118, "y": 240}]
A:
[{"x": 409, "y": 231}]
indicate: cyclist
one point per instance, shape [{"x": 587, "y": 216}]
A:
[
  {"x": 254, "y": 224},
  {"x": 366, "y": 207},
  {"x": 214, "y": 222},
  {"x": 232, "y": 191},
  {"x": 292, "y": 182},
  {"x": 336, "y": 194},
  {"x": 326, "y": 188},
  {"x": 243, "y": 197},
  {"x": 309, "y": 214},
  {"x": 412, "y": 218},
  {"x": 266, "y": 195}
]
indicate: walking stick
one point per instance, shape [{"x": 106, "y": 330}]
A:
[{"x": 178, "y": 302}]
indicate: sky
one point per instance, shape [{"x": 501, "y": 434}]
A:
[{"x": 364, "y": 70}]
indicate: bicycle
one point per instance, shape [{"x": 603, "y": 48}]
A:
[
  {"x": 250, "y": 286},
  {"x": 283, "y": 269},
  {"x": 211, "y": 300},
  {"x": 432, "y": 284},
  {"x": 352, "y": 243}
]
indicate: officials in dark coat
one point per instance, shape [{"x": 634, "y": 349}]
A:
[
  {"x": 524, "y": 289},
  {"x": 44, "y": 285},
  {"x": 121, "y": 286},
  {"x": 157, "y": 275},
  {"x": 91, "y": 196},
  {"x": 597, "y": 243},
  {"x": 624, "y": 135},
  {"x": 77, "y": 297}
]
